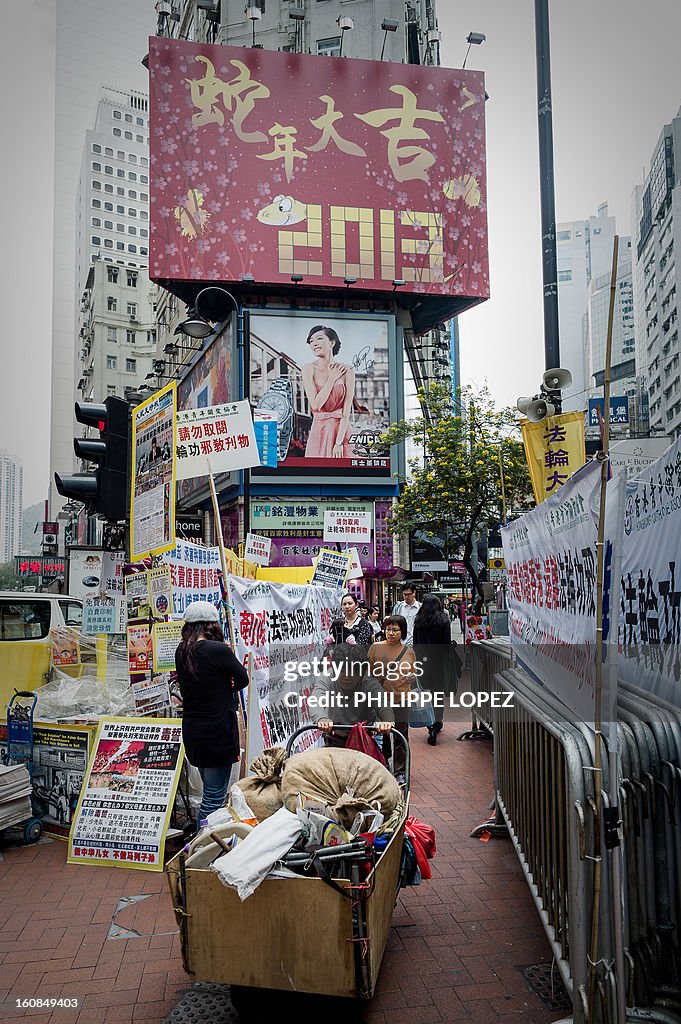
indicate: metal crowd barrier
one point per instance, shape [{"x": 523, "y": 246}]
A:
[
  {"x": 544, "y": 791},
  {"x": 488, "y": 659}
]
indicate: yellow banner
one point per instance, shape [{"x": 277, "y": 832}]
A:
[{"x": 554, "y": 449}]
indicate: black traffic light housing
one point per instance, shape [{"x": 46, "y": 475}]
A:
[{"x": 104, "y": 492}]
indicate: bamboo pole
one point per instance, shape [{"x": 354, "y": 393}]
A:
[{"x": 598, "y": 682}]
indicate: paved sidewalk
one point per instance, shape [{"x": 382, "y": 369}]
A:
[{"x": 453, "y": 953}]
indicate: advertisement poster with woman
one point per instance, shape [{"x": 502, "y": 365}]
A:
[{"x": 326, "y": 378}]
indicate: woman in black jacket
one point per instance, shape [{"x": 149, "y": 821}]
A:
[
  {"x": 434, "y": 651},
  {"x": 210, "y": 675}
]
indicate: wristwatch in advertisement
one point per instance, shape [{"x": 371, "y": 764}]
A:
[{"x": 279, "y": 399}]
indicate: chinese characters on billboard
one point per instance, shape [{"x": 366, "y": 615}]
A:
[
  {"x": 273, "y": 164},
  {"x": 326, "y": 379}
]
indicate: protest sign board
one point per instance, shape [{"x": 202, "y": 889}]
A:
[
  {"x": 65, "y": 646},
  {"x": 216, "y": 440},
  {"x": 111, "y": 580},
  {"x": 125, "y": 804},
  {"x": 151, "y": 696},
  {"x": 331, "y": 568},
  {"x": 194, "y": 574},
  {"x": 104, "y": 615},
  {"x": 139, "y": 648},
  {"x": 258, "y": 549},
  {"x": 137, "y": 596},
  {"x": 355, "y": 571},
  {"x": 152, "y": 500},
  {"x": 160, "y": 592},
  {"x": 165, "y": 639}
]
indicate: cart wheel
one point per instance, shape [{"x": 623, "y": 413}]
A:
[{"x": 33, "y": 830}]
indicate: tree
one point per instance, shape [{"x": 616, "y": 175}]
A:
[
  {"x": 469, "y": 448},
  {"x": 8, "y": 579}
]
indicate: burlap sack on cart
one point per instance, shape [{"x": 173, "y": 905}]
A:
[
  {"x": 347, "y": 781},
  {"x": 262, "y": 788}
]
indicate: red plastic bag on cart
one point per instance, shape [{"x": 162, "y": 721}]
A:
[
  {"x": 361, "y": 739},
  {"x": 423, "y": 838}
]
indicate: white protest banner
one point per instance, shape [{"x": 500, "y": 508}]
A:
[
  {"x": 331, "y": 569},
  {"x": 258, "y": 549},
  {"x": 165, "y": 638},
  {"x": 127, "y": 797},
  {"x": 111, "y": 582},
  {"x": 355, "y": 571},
  {"x": 348, "y": 527},
  {"x": 221, "y": 434},
  {"x": 152, "y": 499},
  {"x": 194, "y": 573},
  {"x": 550, "y": 556},
  {"x": 277, "y": 624},
  {"x": 650, "y": 620}
]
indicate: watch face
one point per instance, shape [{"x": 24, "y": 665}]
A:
[{"x": 277, "y": 403}]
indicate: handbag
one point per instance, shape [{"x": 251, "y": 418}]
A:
[
  {"x": 362, "y": 740},
  {"x": 421, "y": 712}
]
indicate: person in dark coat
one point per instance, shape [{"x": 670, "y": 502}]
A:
[
  {"x": 434, "y": 651},
  {"x": 209, "y": 675}
]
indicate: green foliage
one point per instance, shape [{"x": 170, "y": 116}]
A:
[
  {"x": 8, "y": 580},
  {"x": 466, "y": 441}
]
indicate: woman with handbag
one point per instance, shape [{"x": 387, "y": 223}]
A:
[
  {"x": 393, "y": 663},
  {"x": 434, "y": 651}
]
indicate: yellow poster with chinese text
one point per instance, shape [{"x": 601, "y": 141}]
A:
[
  {"x": 152, "y": 499},
  {"x": 554, "y": 449}
]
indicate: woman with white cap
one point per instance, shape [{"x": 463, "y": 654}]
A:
[{"x": 209, "y": 675}]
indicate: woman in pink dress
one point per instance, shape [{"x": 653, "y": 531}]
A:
[{"x": 330, "y": 391}]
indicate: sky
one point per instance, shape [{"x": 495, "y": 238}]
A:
[{"x": 616, "y": 79}]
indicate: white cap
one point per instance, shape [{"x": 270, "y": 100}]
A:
[{"x": 201, "y": 611}]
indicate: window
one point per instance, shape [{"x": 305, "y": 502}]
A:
[
  {"x": 108, "y": 169},
  {"x": 143, "y": 251},
  {"x": 95, "y": 240},
  {"x": 139, "y": 138},
  {"x": 112, "y": 334},
  {"x": 597, "y": 231},
  {"x": 131, "y": 366},
  {"x": 120, "y": 173},
  {"x": 117, "y": 114},
  {"x": 96, "y": 222},
  {"x": 563, "y": 236},
  {"x": 144, "y": 161},
  {"x": 132, "y": 158},
  {"x": 140, "y": 121},
  {"x": 132, "y": 248},
  {"x": 128, "y": 118},
  {"x": 97, "y": 186},
  {"x": 109, "y": 189},
  {"x": 72, "y": 611},
  {"x": 96, "y": 148},
  {"x": 132, "y": 279},
  {"x": 120, "y": 155},
  {"x": 120, "y": 209},
  {"x": 120, "y": 246},
  {"x": 144, "y": 179},
  {"x": 144, "y": 197},
  {"x": 108, "y": 151},
  {"x": 128, "y": 136},
  {"x": 144, "y": 215},
  {"x": 119, "y": 191},
  {"x": 564, "y": 275},
  {"x": 132, "y": 212},
  {"x": 96, "y": 166},
  {"x": 132, "y": 310},
  {"x": 132, "y": 230},
  {"x": 112, "y": 274},
  {"x": 329, "y": 47},
  {"x": 132, "y": 175},
  {"x": 111, "y": 390},
  {"x": 111, "y": 362},
  {"x": 111, "y": 304},
  {"x": 130, "y": 337},
  {"x": 117, "y": 132},
  {"x": 24, "y": 620},
  {"x": 144, "y": 233},
  {"x": 120, "y": 227},
  {"x": 108, "y": 224},
  {"x": 108, "y": 207},
  {"x": 97, "y": 203},
  {"x": 108, "y": 243},
  {"x": 151, "y": 337}
]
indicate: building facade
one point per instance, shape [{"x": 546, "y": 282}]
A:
[
  {"x": 584, "y": 253},
  {"x": 656, "y": 230},
  {"x": 11, "y": 506}
]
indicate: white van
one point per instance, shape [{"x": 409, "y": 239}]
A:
[{"x": 25, "y": 623}]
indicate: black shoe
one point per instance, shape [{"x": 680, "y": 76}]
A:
[
  {"x": 432, "y": 735},
  {"x": 438, "y": 726}
]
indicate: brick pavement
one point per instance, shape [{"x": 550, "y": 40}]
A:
[{"x": 452, "y": 954}]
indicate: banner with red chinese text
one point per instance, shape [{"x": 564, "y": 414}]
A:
[
  {"x": 216, "y": 440},
  {"x": 127, "y": 797},
  {"x": 554, "y": 449},
  {"x": 272, "y": 164},
  {"x": 550, "y": 556},
  {"x": 280, "y": 625}
]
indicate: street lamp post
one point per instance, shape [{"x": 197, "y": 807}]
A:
[{"x": 546, "y": 184}]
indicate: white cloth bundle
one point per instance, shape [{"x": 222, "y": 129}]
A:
[{"x": 250, "y": 862}]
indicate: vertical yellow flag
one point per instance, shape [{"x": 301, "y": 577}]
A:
[{"x": 554, "y": 449}]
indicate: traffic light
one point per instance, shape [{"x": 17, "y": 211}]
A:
[{"x": 104, "y": 492}]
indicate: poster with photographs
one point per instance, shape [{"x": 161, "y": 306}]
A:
[
  {"x": 125, "y": 804},
  {"x": 326, "y": 379},
  {"x": 152, "y": 502}
]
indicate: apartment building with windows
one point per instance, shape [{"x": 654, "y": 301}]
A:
[
  {"x": 656, "y": 229},
  {"x": 11, "y": 506}
]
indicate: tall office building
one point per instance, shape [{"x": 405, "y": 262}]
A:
[
  {"x": 97, "y": 43},
  {"x": 11, "y": 506},
  {"x": 584, "y": 253},
  {"x": 656, "y": 228}
]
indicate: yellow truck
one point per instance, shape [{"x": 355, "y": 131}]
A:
[{"x": 25, "y": 623}]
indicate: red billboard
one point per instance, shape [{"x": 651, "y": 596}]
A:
[{"x": 280, "y": 164}]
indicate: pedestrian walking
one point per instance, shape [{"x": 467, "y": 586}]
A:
[
  {"x": 209, "y": 675},
  {"x": 374, "y": 620},
  {"x": 354, "y": 623},
  {"x": 393, "y": 663},
  {"x": 408, "y": 607},
  {"x": 434, "y": 650}
]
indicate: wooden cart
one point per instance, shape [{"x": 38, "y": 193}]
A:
[{"x": 292, "y": 934}]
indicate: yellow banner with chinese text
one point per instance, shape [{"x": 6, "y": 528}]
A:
[{"x": 554, "y": 449}]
